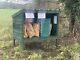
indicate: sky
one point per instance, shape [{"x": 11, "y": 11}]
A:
[
  {"x": 17, "y": 0},
  {"x": 2, "y": 0}
]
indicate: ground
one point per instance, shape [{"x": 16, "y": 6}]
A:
[{"x": 65, "y": 50}]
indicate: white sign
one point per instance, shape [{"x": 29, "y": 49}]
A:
[
  {"x": 29, "y": 15},
  {"x": 41, "y": 15},
  {"x": 55, "y": 19}
]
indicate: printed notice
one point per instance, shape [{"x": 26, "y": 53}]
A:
[
  {"x": 41, "y": 15},
  {"x": 29, "y": 15},
  {"x": 55, "y": 19}
]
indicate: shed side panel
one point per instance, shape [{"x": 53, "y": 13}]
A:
[{"x": 18, "y": 27}]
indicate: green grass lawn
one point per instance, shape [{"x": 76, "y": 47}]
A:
[
  {"x": 5, "y": 16},
  {"x": 6, "y": 19}
]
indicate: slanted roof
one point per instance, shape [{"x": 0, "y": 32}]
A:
[
  {"x": 36, "y": 10},
  {"x": 17, "y": 13}
]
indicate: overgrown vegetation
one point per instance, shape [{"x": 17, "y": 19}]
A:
[
  {"x": 63, "y": 52},
  {"x": 72, "y": 9},
  {"x": 9, "y": 52}
]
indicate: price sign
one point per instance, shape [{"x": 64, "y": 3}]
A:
[
  {"x": 41, "y": 15},
  {"x": 29, "y": 15}
]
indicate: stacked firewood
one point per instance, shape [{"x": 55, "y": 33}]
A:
[{"x": 31, "y": 29}]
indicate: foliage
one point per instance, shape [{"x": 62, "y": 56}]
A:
[
  {"x": 69, "y": 52},
  {"x": 35, "y": 56},
  {"x": 72, "y": 9},
  {"x": 72, "y": 5}
]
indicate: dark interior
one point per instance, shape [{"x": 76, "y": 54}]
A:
[
  {"x": 35, "y": 19},
  {"x": 51, "y": 16}
]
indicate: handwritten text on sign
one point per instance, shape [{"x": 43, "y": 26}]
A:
[
  {"x": 29, "y": 15},
  {"x": 41, "y": 15}
]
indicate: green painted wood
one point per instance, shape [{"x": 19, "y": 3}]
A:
[
  {"x": 17, "y": 13},
  {"x": 45, "y": 28},
  {"x": 52, "y": 11},
  {"x": 18, "y": 26},
  {"x": 18, "y": 21}
]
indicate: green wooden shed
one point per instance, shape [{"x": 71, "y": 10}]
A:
[{"x": 45, "y": 18}]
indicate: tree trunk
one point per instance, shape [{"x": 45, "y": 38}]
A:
[
  {"x": 72, "y": 26},
  {"x": 72, "y": 23}
]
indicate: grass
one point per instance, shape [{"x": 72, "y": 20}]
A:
[
  {"x": 6, "y": 20},
  {"x": 5, "y": 16},
  {"x": 8, "y": 52},
  {"x": 6, "y": 28}
]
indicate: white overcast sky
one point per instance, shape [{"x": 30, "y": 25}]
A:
[
  {"x": 2, "y": 0},
  {"x": 19, "y": 0}
]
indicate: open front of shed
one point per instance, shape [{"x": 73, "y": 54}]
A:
[{"x": 34, "y": 25}]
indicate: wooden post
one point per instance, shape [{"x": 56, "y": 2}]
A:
[
  {"x": 56, "y": 43},
  {"x": 14, "y": 44}
]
